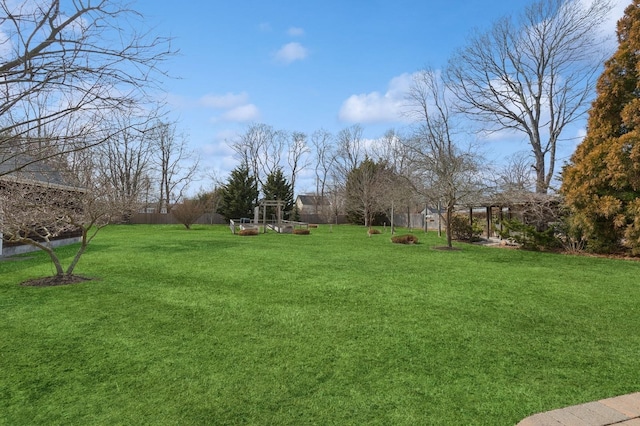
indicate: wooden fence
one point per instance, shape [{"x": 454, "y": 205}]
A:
[{"x": 168, "y": 219}]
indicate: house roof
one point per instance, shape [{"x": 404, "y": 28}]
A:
[
  {"x": 313, "y": 200},
  {"x": 23, "y": 168}
]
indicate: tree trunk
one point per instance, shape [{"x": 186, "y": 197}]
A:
[
  {"x": 541, "y": 178},
  {"x": 76, "y": 258},
  {"x": 51, "y": 253},
  {"x": 392, "y": 214},
  {"x": 448, "y": 225},
  {"x": 55, "y": 260}
]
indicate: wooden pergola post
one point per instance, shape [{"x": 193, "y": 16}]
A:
[
  {"x": 489, "y": 211},
  {"x": 264, "y": 217}
]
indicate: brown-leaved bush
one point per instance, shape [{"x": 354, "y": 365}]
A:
[{"x": 404, "y": 239}]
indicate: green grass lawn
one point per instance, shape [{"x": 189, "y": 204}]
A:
[{"x": 333, "y": 328}]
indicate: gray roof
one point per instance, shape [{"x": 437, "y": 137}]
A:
[
  {"x": 313, "y": 200},
  {"x": 22, "y": 167}
]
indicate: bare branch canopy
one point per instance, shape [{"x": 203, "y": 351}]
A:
[
  {"x": 66, "y": 66},
  {"x": 533, "y": 74}
]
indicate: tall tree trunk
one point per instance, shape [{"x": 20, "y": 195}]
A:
[
  {"x": 448, "y": 225},
  {"x": 541, "y": 177}
]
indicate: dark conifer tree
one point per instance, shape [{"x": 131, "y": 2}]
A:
[
  {"x": 277, "y": 187},
  {"x": 238, "y": 196}
]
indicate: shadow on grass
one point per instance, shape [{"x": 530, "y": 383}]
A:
[
  {"x": 186, "y": 246},
  {"x": 446, "y": 248}
]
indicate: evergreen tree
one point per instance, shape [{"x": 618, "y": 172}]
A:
[
  {"x": 277, "y": 187},
  {"x": 238, "y": 196},
  {"x": 601, "y": 183}
]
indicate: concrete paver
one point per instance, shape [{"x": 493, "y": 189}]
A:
[
  {"x": 621, "y": 410},
  {"x": 627, "y": 404},
  {"x": 597, "y": 413}
]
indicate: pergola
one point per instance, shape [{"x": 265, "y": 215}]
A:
[
  {"x": 264, "y": 203},
  {"x": 508, "y": 201}
]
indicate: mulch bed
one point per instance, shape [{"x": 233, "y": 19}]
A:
[{"x": 53, "y": 281}]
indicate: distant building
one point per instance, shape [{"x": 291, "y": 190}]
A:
[
  {"x": 314, "y": 208},
  {"x": 417, "y": 217},
  {"x": 20, "y": 169}
]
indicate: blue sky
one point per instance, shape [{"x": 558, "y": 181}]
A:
[{"x": 307, "y": 65}]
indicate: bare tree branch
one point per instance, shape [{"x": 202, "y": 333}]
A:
[
  {"x": 449, "y": 172},
  {"x": 534, "y": 74},
  {"x": 67, "y": 67}
]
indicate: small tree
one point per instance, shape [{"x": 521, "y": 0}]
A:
[
  {"x": 35, "y": 213},
  {"x": 449, "y": 172},
  {"x": 238, "y": 196},
  {"x": 188, "y": 211},
  {"x": 366, "y": 190},
  {"x": 210, "y": 200}
]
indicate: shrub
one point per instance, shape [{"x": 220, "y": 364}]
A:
[
  {"x": 301, "y": 231},
  {"x": 245, "y": 232},
  {"x": 404, "y": 239},
  {"x": 570, "y": 235},
  {"x": 313, "y": 225},
  {"x": 188, "y": 212},
  {"x": 528, "y": 237},
  {"x": 462, "y": 230}
]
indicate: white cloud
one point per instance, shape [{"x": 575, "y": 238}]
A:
[
  {"x": 375, "y": 107},
  {"x": 233, "y": 107},
  {"x": 240, "y": 114},
  {"x": 226, "y": 101},
  {"x": 291, "y": 52},
  {"x": 295, "y": 32}
]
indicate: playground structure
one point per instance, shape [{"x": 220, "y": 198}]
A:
[{"x": 277, "y": 224}]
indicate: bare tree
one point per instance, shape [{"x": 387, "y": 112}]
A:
[
  {"x": 35, "y": 212},
  {"x": 393, "y": 150},
  {"x": 260, "y": 149},
  {"x": 349, "y": 151},
  {"x": 325, "y": 156},
  {"x": 516, "y": 176},
  {"x": 297, "y": 155},
  {"x": 124, "y": 161},
  {"x": 69, "y": 66},
  {"x": 176, "y": 164},
  {"x": 368, "y": 189},
  {"x": 533, "y": 74},
  {"x": 189, "y": 211},
  {"x": 448, "y": 171}
]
